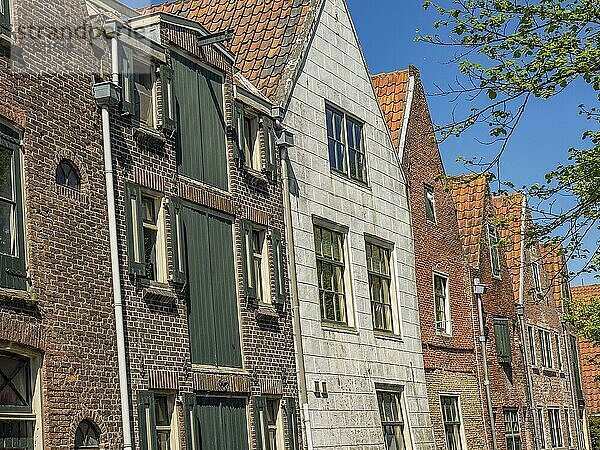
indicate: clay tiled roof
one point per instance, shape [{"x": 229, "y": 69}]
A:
[
  {"x": 392, "y": 90},
  {"x": 469, "y": 194},
  {"x": 589, "y": 355},
  {"x": 269, "y": 35},
  {"x": 509, "y": 210},
  {"x": 555, "y": 265}
]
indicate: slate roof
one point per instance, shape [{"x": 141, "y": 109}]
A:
[
  {"x": 392, "y": 90},
  {"x": 469, "y": 194},
  {"x": 269, "y": 35},
  {"x": 509, "y": 209},
  {"x": 590, "y": 371}
]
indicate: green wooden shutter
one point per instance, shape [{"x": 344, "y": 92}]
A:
[
  {"x": 277, "y": 256},
  {"x": 502, "y": 338},
  {"x": 238, "y": 124},
  {"x": 168, "y": 100},
  {"x": 270, "y": 147},
  {"x": 260, "y": 424},
  {"x": 292, "y": 422},
  {"x": 135, "y": 229},
  {"x": 234, "y": 417},
  {"x": 5, "y": 27},
  {"x": 189, "y": 418},
  {"x": 248, "y": 260},
  {"x": 127, "y": 81},
  {"x": 177, "y": 240},
  {"x": 13, "y": 272},
  {"x": 148, "y": 439}
]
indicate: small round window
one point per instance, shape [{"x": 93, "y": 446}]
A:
[
  {"x": 67, "y": 175},
  {"x": 87, "y": 436}
]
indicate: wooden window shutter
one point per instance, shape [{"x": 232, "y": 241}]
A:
[
  {"x": 502, "y": 337},
  {"x": 277, "y": 256},
  {"x": 261, "y": 426},
  {"x": 238, "y": 133},
  {"x": 168, "y": 99},
  {"x": 248, "y": 259},
  {"x": 270, "y": 147},
  {"x": 148, "y": 439},
  {"x": 292, "y": 422},
  {"x": 178, "y": 244},
  {"x": 189, "y": 421},
  {"x": 135, "y": 230},
  {"x": 126, "y": 80},
  {"x": 5, "y": 27},
  {"x": 13, "y": 271}
]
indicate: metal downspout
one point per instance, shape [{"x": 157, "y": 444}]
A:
[
  {"x": 114, "y": 258},
  {"x": 297, "y": 324},
  {"x": 522, "y": 325}
]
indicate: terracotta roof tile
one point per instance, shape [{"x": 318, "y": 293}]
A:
[
  {"x": 269, "y": 35},
  {"x": 509, "y": 209},
  {"x": 555, "y": 265},
  {"x": 391, "y": 90},
  {"x": 589, "y": 355}
]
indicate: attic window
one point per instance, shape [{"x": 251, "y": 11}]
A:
[{"x": 67, "y": 175}]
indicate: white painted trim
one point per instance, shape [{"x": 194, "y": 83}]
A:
[{"x": 405, "y": 120}]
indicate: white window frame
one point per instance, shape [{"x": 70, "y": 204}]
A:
[
  {"x": 494, "y": 239},
  {"x": 252, "y": 149},
  {"x": 531, "y": 342},
  {"x": 347, "y": 276},
  {"x": 401, "y": 400},
  {"x": 35, "y": 380},
  {"x": 430, "y": 199},
  {"x": 542, "y": 428},
  {"x": 159, "y": 228},
  {"x": 447, "y": 331},
  {"x": 512, "y": 435},
  {"x": 559, "y": 359},
  {"x": 394, "y": 299},
  {"x": 140, "y": 59},
  {"x": 556, "y": 431},
  {"x": 173, "y": 427},
  {"x": 545, "y": 337},
  {"x": 264, "y": 284},
  {"x": 461, "y": 427},
  {"x": 569, "y": 432},
  {"x": 278, "y": 426}
]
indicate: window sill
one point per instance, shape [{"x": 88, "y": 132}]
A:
[
  {"x": 338, "y": 327},
  {"x": 157, "y": 292},
  {"x": 267, "y": 311},
  {"x": 6, "y": 40},
  {"x": 388, "y": 335},
  {"x": 218, "y": 370},
  {"x": 443, "y": 335},
  {"x": 146, "y": 135},
  {"x": 342, "y": 176},
  {"x": 255, "y": 176},
  {"x": 549, "y": 371},
  {"x": 17, "y": 296}
]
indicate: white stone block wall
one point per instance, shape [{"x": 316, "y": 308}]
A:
[{"x": 352, "y": 361}]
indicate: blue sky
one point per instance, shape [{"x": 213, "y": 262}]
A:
[{"x": 387, "y": 29}]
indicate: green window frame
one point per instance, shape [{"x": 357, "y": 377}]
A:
[
  {"x": 291, "y": 411},
  {"x": 512, "y": 429},
  {"x": 380, "y": 286},
  {"x": 13, "y": 272},
  {"x": 502, "y": 339},
  {"x": 329, "y": 249},
  {"x": 5, "y": 18}
]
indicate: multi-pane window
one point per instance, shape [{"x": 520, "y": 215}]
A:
[
  {"x": 535, "y": 272},
  {"x": 329, "y": 248},
  {"x": 546, "y": 348},
  {"x": 559, "y": 359},
  {"x": 13, "y": 273},
  {"x": 541, "y": 427},
  {"x": 66, "y": 175},
  {"x": 441, "y": 303},
  {"x": 157, "y": 421},
  {"x": 144, "y": 83},
  {"x": 392, "y": 420},
  {"x": 260, "y": 265},
  {"x": 145, "y": 234},
  {"x": 251, "y": 145},
  {"x": 17, "y": 393},
  {"x": 452, "y": 422},
  {"x": 502, "y": 338},
  {"x": 346, "y": 146},
  {"x": 494, "y": 250},
  {"x": 87, "y": 436},
  {"x": 531, "y": 341},
  {"x": 269, "y": 434},
  {"x": 512, "y": 430},
  {"x": 380, "y": 285},
  {"x": 430, "y": 204},
  {"x": 556, "y": 433}
]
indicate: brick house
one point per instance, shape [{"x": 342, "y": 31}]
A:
[
  {"x": 447, "y": 312},
  {"x": 202, "y": 260},
  {"x": 511, "y": 415},
  {"x": 58, "y": 355},
  {"x": 361, "y": 377},
  {"x": 539, "y": 285}
]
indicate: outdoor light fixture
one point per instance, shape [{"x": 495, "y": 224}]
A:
[{"x": 478, "y": 288}]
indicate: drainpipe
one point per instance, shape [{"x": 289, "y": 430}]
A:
[
  {"x": 522, "y": 325},
  {"x": 107, "y": 95},
  {"x": 287, "y": 139},
  {"x": 480, "y": 289}
]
